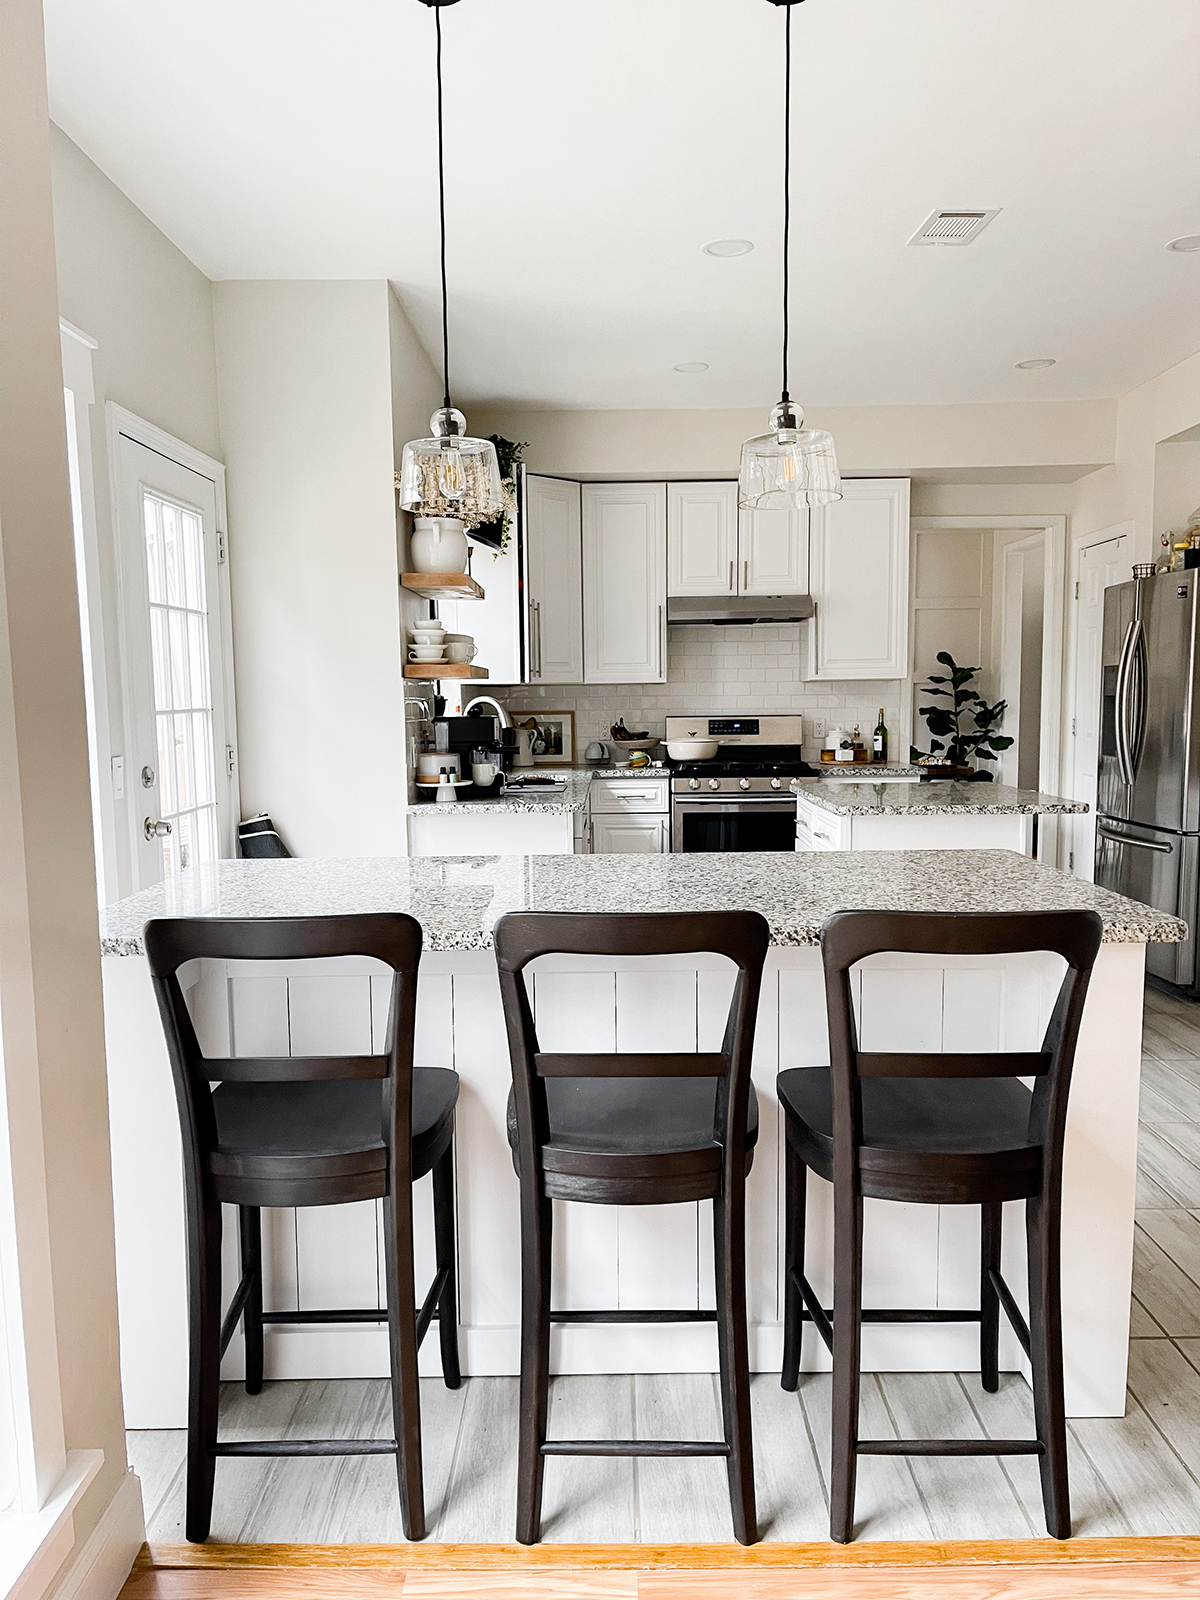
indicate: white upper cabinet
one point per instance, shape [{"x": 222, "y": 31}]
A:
[
  {"x": 713, "y": 548},
  {"x": 773, "y": 552},
  {"x": 624, "y": 582},
  {"x": 554, "y": 580},
  {"x": 859, "y": 570},
  {"x": 702, "y": 538}
]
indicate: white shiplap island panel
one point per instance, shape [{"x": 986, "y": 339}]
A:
[{"x": 634, "y": 1256}]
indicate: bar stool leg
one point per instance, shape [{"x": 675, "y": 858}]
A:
[
  {"x": 443, "y": 1232},
  {"x": 990, "y": 1231},
  {"x": 204, "y": 1377},
  {"x": 402, "y": 1338},
  {"x": 847, "y": 1340},
  {"x": 729, "y": 1248},
  {"x": 250, "y": 1240},
  {"x": 537, "y": 1222},
  {"x": 1045, "y": 1338},
  {"x": 795, "y": 1199}
]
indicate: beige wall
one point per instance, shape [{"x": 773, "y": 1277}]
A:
[
  {"x": 1156, "y": 411},
  {"x": 49, "y": 949},
  {"x": 1039, "y": 438},
  {"x": 306, "y": 384},
  {"x": 150, "y": 311}
]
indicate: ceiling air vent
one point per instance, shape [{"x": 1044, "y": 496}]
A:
[{"x": 953, "y": 227}]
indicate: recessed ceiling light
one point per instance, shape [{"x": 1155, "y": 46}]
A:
[
  {"x": 1187, "y": 241},
  {"x": 729, "y": 247},
  {"x": 1036, "y": 366},
  {"x": 691, "y": 366}
]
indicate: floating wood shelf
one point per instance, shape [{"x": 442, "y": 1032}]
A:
[
  {"x": 442, "y": 585},
  {"x": 448, "y": 669}
]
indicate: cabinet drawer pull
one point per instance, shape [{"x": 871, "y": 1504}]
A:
[{"x": 731, "y": 577}]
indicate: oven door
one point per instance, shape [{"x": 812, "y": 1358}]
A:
[{"x": 726, "y": 824}]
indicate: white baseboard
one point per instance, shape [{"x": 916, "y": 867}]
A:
[{"x": 102, "y": 1564}]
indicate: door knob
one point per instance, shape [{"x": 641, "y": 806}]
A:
[{"x": 156, "y": 830}]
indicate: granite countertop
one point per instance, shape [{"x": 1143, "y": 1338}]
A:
[
  {"x": 554, "y": 803},
  {"x": 848, "y": 771},
  {"x": 457, "y": 899},
  {"x": 929, "y": 799}
]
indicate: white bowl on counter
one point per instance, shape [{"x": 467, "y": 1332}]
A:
[{"x": 692, "y": 749}]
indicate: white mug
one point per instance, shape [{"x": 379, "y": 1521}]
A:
[
  {"x": 484, "y": 772},
  {"x": 425, "y": 652},
  {"x": 461, "y": 652}
]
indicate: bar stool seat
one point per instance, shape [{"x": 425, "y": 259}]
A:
[
  {"x": 618, "y": 1124},
  {"x": 980, "y": 1126},
  {"x": 335, "y": 1128}
]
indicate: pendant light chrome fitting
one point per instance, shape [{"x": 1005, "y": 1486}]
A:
[
  {"x": 791, "y": 466},
  {"x": 449, "y": 474}
]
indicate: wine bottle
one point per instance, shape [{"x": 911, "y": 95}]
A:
[{"x": 880, "y": 743}]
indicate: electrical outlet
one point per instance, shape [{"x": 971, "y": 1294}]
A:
[{"x": 817, "y": 724}]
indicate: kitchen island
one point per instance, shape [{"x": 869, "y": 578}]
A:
[
  {"x": 629, "y": 1257},
  {"x": 937, "y": 815}
]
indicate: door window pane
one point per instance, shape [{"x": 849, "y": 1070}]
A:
[{"x": 182, "y": 678}]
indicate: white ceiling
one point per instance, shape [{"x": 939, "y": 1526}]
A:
[{"x": 594, "y": 147}]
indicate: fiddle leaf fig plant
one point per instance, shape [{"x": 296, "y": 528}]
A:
[{"x": 968, "y": 728}]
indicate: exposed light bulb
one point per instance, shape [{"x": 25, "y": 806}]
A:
[{"x": 451, "y": 478}]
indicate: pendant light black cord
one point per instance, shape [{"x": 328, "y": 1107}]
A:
[
  {"x": 787, "y": 180},
  {"x": 437, "y": 14}
]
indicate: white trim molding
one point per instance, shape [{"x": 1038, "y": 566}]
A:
[
  {"x": 34, "y": 1544},
  {"x": 106, "y": 1556}
]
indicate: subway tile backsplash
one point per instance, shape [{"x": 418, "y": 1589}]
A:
[{"x": 713, "y": 670}]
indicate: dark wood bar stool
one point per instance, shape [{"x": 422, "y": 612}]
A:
[
  {"x": 937, "y": 1129},
  {"x": 633, "y": 1129},
  {"x": 307, "y": 1131}
]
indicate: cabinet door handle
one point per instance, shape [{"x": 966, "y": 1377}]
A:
[
  {"x": 731, "y": 580},
  {"x": 661, "y": 673},
  {"x": 745, "y": 577}
]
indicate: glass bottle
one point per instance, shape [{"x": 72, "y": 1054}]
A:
[{"x": 880, "y": 740}]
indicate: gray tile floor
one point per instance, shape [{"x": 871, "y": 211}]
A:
[{"x": 1135, "y": 1475}]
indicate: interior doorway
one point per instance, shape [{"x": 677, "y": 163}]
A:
[{"x": 1022, "y": 589}]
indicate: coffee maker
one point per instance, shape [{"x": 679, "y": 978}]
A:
[{"x": 463, "y": 736}]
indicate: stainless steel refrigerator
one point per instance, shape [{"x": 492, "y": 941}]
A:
[{"x": 1148, "y": 782}]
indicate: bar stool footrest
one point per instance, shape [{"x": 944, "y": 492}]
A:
[
  {"x": 305, "y": 1447},
  {"x": 635, "y": 1447},
  {"x": 618, "y": 1317},
  {"x": 949, "y": 1447}
]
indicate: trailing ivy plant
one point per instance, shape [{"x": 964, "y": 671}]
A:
[
  {"x": 968, "y": 728},
  {"x": 508, "y": 456}
]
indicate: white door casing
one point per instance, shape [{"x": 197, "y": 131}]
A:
[
  {"x": 176, "y": 649},
  {"x": 624, "y": 582},
  {"x": 554, "y": 580},
  {"x": 1101, "y": 560}
]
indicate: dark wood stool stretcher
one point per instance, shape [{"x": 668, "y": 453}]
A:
[
  {"x": 307, "y": 1131},
  {"x": 646, "y": 1128},
  {"x": 937, "y": 1129}
]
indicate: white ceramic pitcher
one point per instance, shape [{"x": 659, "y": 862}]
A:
[{"x": 438, "y": 544}]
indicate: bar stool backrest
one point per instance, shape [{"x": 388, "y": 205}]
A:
[
  {"x": 391, "y": 937},
  {"x": 523, "y": 936},
  {"x": 849, "y": 937}
]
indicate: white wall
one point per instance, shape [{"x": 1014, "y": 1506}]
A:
[
  {"x": 150, "y": 311},
  {"x": 53, "y": 1043},
  {"x": 1176, "y": 491},
  {"x": 1052, "y": 440},
  {"x": 306, "y": 385}
]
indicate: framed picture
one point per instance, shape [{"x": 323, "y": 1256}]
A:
[{"x": 553, "y": 735}]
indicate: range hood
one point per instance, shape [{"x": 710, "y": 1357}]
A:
[{"x": 743, "y": 608}]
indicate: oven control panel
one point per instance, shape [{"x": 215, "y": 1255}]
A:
[{"x": 732, "y": 727}]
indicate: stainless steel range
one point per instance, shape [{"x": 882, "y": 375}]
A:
[{"x": 741, "y": 799}]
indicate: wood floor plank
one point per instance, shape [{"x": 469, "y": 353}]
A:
[
  {"x": 1164, "y": 1383},
  {"x": 1173, "y": 1086},
  {"x": 1170, "y": 1038},
  {"x": 157, "y": 1456},
  {"x": 1154, "y": 1108},
  {"x": 792, "y": 1503},
  {"x": 1163, "y": 1159},
  {"x": 680, "y": 1500},
  {"x": 1150, "y": 1196},
  {"x": 1008, "y": 1414},
  {"x": 293, "y": 1583},
  {"x": 965, "y": 1496},
  {"x": 548, "y": 1584},
  {"x": 888, "y": 1504},
  {"x": 1141, "y": 1324},
  {"x": 481, "y": 1501},
  {"x": 1167, "y": 1292},
  {"x": 930, "y": 1583},
  {"x": 591, "y": 1499},
  {"x": 1142, "y": 1474},
  {"x": 1177, "y": 1234}
]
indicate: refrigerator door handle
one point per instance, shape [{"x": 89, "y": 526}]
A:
[
  {"x": 1138, "y": 844},
  {"x": 1139, "y": 667},
  {"x": 1124, "y": 752}
]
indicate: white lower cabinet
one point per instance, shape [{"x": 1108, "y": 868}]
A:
[
  {"x": 820, "y": 829},
  {"x": 629, "y": 835}
]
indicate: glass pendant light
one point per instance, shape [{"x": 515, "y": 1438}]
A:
[
  {"x": 449, "y": 474},
  {"x": 791, "y": 466}
]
